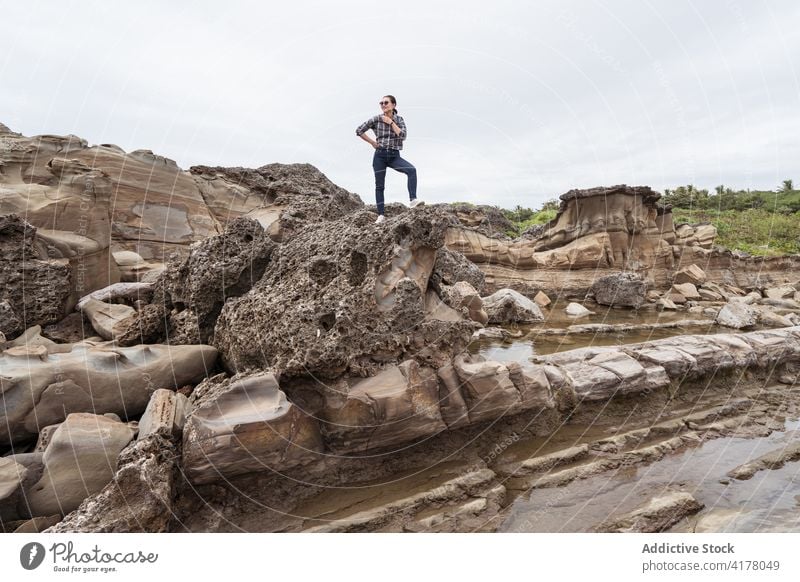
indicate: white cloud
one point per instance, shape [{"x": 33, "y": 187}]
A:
[{"x": 511, "y": 104}]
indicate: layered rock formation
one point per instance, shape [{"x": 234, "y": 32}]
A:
[{"x": 600, "y": 232}]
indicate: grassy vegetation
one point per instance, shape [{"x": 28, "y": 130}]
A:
[
  {"x": 524, "y": 218},
  {"x": 756, "y": 231},
  {"x": 754, "y": 221}
]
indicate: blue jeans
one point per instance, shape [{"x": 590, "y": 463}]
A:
[{"x": 390, "y": 158}]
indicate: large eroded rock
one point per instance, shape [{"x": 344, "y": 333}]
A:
[
  {"x": 398, "y": 405},
  {"x": 190, "y": 293},
  {"x": 244, "y": 424},
  {"x": 509, "y": 306},
  {"x": 344, "y": 297},
  {"x": 621, "y": 290},
  {"x": 79, "y": 461},
  {"x": 41, "y": 388}
]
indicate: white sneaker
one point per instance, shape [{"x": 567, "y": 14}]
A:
[
  {"x": 416, "y": 202},
  {"x": 381, "y": 218}
]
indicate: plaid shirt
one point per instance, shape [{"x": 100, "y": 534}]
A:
[{"x": 386, "y": 137}]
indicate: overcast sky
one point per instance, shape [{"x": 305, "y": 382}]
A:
[{"x": 512, "y": 104}]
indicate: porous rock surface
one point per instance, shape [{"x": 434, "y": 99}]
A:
[
  {"x": 35, "y": 289},
  {"x": 344, "y": 296},
  {"x": 620, "y": 289},
  {"x": 189, "y": 295}
]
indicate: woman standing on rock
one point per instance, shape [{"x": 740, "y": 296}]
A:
[{"x": 390, "y": 129}]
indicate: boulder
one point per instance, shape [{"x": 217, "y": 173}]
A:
[
  {"x": 718, "y": 289},
  {"x": 577, "y": 310},
  {"x": 165, "y": 415},
  {"x": 620, "y": 289},
  {"x": 709, "y": 295},
  {"x": 541, "y": 299},
  {"x": 80, "y": 460},
  {"x": 688, "y": 290},
  {"x": 109, "y": 320},
  {"x": 769, "y": 318},
  {"x": 786, "y": 292},
  {"x": 509, "y": 306},
  {"x": 451, "y": 266},
  {"x": 749, "y": 299},
  {"x": 737, "y": 315},
  {"x": 463, "y": 295},
  {"x": 665, "y": 304},
  {"x": 245, "y": 424},
  {"x": 691, "y": 274},
  {"x": 674, "y": 297}
]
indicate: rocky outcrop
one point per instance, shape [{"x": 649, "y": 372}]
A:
[
  {"x": 142, "y": 200},
  {"x": 56, "y": 183},
  {"x": 605, "y": 231},
  {"x": 344, "y": 297},
  {"x": 94, "y": 206},
  {"x": 597, "y": 232},
  {"x": 189, "y": 295},
  {"x": 282, "y": 197},
  {"x": 41, "y": 386},
  {"x": 488, "y": 220},
  {"x": 409, "y": 402},
  {"x": 604, "y": 372},
  {"x": 696, "y": 235}
]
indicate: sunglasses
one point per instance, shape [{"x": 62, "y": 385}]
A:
[{"x": 384, "y": 102}]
